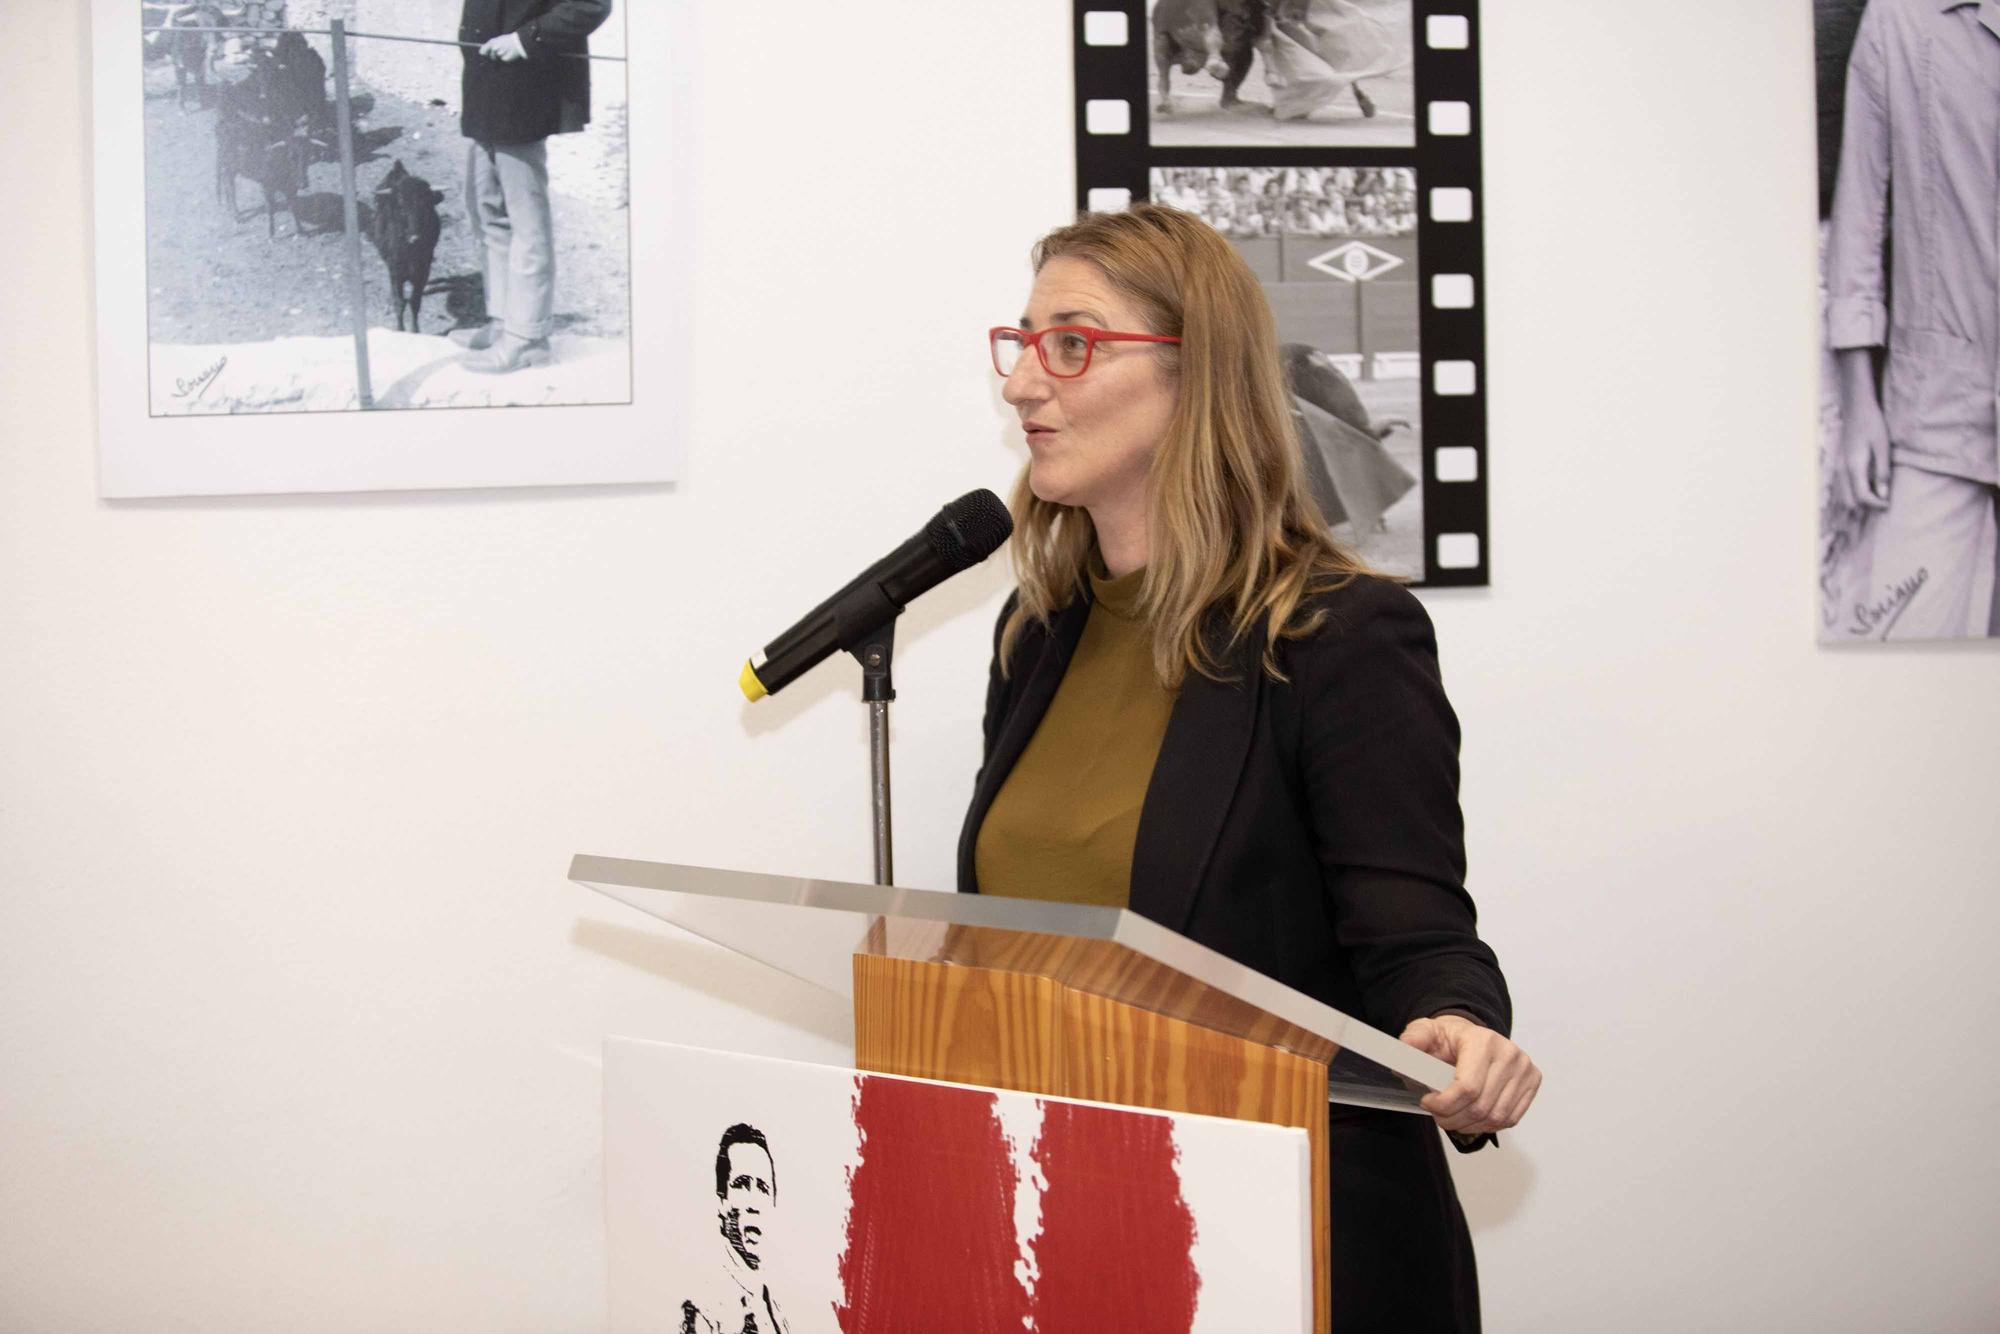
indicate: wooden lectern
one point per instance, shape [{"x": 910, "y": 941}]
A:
[{"x": 1048, "y": 998}]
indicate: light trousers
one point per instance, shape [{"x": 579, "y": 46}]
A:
[
  {"x": 507, "y": 203},
  {"x": 1935, "y": 553}
]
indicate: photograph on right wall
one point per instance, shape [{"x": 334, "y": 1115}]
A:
[{"x": 1909, "y": 455}]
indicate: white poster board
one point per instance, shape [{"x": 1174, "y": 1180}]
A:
[{"x": 813, "y": 1198}]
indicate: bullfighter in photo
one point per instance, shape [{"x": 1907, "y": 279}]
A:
[{"x": 525, "y": 79}]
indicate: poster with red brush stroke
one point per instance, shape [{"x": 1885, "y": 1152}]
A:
[{"x": 744, "y": 1194}]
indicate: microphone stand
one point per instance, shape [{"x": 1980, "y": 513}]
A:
[{"x": 877, "y": 688}]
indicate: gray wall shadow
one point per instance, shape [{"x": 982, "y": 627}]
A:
[
  {"x": 718, "y": 972},
  {"x": 1493, "y": 1185}
]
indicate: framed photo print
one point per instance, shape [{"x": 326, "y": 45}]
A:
[{"x": 369, "y": 244}]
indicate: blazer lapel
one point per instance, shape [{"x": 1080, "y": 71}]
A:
[
  {"x": 1194, "y": 781},
  {"x": 1032, "y": 694}
]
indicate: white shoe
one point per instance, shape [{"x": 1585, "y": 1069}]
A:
[
  {"x": 478, "y": 337},
  {"x": 510, "y": 352}
]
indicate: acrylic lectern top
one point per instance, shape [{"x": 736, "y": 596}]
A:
[{"x": 811, "y": 929}]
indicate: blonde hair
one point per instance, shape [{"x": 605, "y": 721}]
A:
[{"x": 1232, "y": 531}]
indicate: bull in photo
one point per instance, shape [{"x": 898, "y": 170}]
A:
[{"x": 405, "y": 228}]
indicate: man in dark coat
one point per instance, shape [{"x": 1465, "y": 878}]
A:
[{"x": 525, "y": 80}]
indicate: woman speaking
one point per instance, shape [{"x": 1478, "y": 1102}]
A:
[{"x": 1204, "y": 709}]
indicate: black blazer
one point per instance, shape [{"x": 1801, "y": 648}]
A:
[
  {"x": 1310, "y": 829},
  {"x": 518, "y": 102}
]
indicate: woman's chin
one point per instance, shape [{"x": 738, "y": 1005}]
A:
[{"x": 1048, "y": 485}]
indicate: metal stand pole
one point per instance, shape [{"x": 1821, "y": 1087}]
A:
[
  {"x": 878, "y": 689},
  {"x": 350, "y": 214},
  {"x": 878, "y": 758}
]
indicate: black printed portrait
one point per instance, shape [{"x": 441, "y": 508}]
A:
[{"x": 738, "y": 1299}]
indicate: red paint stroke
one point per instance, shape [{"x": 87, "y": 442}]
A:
[
  {"x": 930, "y": 1217},
  {"x": 1116, "y": 1249}
]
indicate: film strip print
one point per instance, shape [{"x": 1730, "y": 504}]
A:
[{"x": 1337, "y": 143}]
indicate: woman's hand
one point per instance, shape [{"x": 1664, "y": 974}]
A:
[{"x": 1495, "y": 1080}]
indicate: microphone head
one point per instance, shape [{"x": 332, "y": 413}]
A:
[{"x": 969, "y": 529}]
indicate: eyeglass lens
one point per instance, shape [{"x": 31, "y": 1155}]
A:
[
  {"x": 1064, "y": 352},
  {"x": 1006, "y": 351}
]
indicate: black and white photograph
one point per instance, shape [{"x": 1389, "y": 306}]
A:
[
  {"x": 1909, "y": 453},
  {"x": 1281, "y": 73},
  {"x": 489, "y": 167},
  {"x": 363, "y": 245},
  {"x": 1336, "y": 251}
]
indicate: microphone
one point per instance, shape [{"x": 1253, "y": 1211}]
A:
[{"x": 958, "y": 537}]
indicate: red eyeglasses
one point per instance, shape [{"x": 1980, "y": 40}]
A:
[{"x": 1064, "y": 348}]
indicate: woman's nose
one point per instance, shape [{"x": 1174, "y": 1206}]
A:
[{"x": 1026, "y": 383}]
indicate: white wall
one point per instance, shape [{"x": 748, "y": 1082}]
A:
[{"x": 299, "y": 1019}]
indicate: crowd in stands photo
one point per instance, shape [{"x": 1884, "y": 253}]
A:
[{"x": 1294, "y": 201}]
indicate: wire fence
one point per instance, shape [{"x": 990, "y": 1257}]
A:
[{"x": 374, "y": 36}]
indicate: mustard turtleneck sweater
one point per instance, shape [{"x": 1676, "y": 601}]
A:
[{"x": 1064, "y": 822}]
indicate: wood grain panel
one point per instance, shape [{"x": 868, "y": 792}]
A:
[
  {"x": 968, "y": 1025},
  {"x": 1100, "y": 967}
]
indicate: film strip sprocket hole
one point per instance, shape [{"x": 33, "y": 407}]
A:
[{"x": 1337, "y": 143}]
